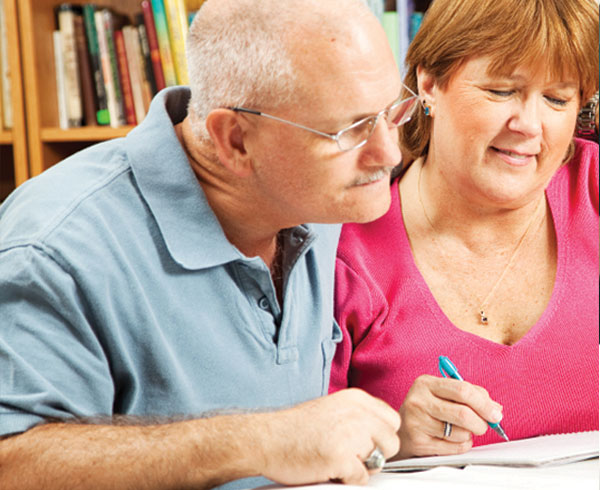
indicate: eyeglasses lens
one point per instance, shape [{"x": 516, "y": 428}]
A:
[
  {"x": 401, "y": 113},
  {"x": 356, "y": 135},
  {"x": 395, "y": 116}
]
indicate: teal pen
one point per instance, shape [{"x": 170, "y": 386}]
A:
[{"x": 448, "y": 369}]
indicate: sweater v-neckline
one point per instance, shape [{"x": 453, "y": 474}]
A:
[{"x": 436, "y": 310}]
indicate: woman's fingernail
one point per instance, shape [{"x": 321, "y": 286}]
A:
[{"x": 496, "y": 416}]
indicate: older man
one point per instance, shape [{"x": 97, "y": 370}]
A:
[{"x": 161, "y": 296}]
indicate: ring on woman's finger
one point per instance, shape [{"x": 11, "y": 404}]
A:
[
  {"x": 375, "y": 461},
  {"x": 447, "y": 429}
]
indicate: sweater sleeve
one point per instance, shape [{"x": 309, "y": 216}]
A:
[{"x": 360, "y": 309}]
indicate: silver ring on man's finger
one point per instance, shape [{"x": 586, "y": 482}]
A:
[
  {"x": 376, "y": 460},
  {"x": 447, "y": 429}
]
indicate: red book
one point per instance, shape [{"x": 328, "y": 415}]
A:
[
  {"x": 125, "y": 79},
  {"x": 159, "y": 77},
  {"x": 88, "y": 95}
]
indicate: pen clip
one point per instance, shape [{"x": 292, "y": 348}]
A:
[{"x": 448, "y": 369}]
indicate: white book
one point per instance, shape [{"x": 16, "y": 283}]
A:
[
  {"x": 66, "y": 25},
  {"x": 404, "y": 8},
  {"x": 6, "y": 118},
  {"x": 60, "y": 80},
  {"x": 547, "y": 450},
  {"x": 133, "y": 52},
  {"x": 107, "y": 74}
]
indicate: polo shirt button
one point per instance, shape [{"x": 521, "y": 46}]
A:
[
  {"x": 263, "y": 303},
  {"x": 297, "y": 238}
]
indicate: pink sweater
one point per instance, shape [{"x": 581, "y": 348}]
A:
[{"x": 394, "y": 330}]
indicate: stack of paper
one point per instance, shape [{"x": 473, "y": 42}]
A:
[{"x": 538, "y": 451}]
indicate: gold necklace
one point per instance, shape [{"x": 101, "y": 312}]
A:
[{"x": 483, "y": 317}]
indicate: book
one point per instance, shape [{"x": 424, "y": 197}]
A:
[
  {"x": 164, "y": 44},
  {"x": 111, "y": 24},
  {"x": 102, "y": 115},
  {"x": 145, "y": 59},
  {"x": 66, "y": 25},
  {"x": 107, "y": 76},
  {"x": 136, "y": 73},
  {"x": 416, "y": 19},
  {"x": 88, "y": 95},
  {"x": 533, "y": 452},
  {"x": 59, "y": 70},
  {"x": 403, "y": 10},
  {"x": 389, "y": 21},
  {"x": 178, "y": 29},
  {"x": 124, "y": 77},
  {"x": 6, "y": 115},
  {"x": 116, "y": 117},
  {"x": 150, "y": 29}
]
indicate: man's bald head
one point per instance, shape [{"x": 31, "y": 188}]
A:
[{"x": 252, "y": 53}]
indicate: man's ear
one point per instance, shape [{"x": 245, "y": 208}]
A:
[
  {"x": 227, "y": 135},
  {"x": 427, "y": 88}
]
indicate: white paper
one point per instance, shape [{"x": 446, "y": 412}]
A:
[{"x": 538, "y": 451}]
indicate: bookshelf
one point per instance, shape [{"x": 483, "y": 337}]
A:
[
  {"x": 13, "y": 143},
  {"x": 47, "y": 143}
]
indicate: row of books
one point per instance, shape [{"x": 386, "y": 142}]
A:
[
  {"x": 6, "y": 115},
  {"x": 401, "y": 20},
  {"x": 108, "y": 68}
]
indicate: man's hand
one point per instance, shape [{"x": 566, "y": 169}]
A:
[
  {"x": 317, "y": 441},
  {"x": 328, "y": 439}
]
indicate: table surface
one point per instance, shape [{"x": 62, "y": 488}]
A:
[{"x": 582, "y": 475}]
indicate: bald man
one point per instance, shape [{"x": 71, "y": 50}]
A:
[{"x": 167, "y": 312}]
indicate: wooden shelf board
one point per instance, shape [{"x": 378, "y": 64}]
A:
[
  {"x": 90, "y": 133},
  {"x": 6, "y": 137}
]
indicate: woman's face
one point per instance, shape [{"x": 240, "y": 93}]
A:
[{"x": 499, "y": 140}]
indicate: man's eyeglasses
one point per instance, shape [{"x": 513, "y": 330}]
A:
[{"x": 357, "y": 134}]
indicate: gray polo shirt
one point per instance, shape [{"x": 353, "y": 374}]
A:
[{"x": 119, "y": 292}]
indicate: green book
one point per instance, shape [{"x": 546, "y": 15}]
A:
[
  {"x": 391, "y": 28},
  {"x": 102, "y": 114}
]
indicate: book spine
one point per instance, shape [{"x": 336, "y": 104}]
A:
[
  {"x": 66, "y": 25},
  {"x": 63, "y": 123},
  {"x": 390, "y": 26},
  {"x": 109, "y": 30},
  {"x": 102, "y": 115},
  {"x": 132, "y": 49},
  {"x": 145, "y": 53},
  {"x": 85, "y": 74},
  {"x": 164, "y": 45},
  {"x": 111, "y": 98},
  {"x": 146, "y": 63},
  {"x": 125, "y": 77},
  {"x": 6, "y": 115},
  {"x": 178, "y": 29},
  {"x": 159, "y": 77},
  {"x": 416, "y": 19}
]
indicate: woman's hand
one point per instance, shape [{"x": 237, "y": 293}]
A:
[{"x": 432, "y": 401}]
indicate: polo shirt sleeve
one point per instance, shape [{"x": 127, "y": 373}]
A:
[{"x": 52, "y": 365}]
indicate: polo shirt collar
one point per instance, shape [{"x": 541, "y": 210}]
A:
[{"x": 189, "y": 227}]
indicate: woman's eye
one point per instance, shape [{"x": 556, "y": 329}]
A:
[
  {"x": 555, "y": 101},
  {"x": 501, "y": 93}
]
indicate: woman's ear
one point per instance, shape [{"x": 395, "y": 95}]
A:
[
  {"x": 227, "y": 135},
  {"x": 427, "y": 89}
]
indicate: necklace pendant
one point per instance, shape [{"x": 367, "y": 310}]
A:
[{"x": 484, "y": 318}]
